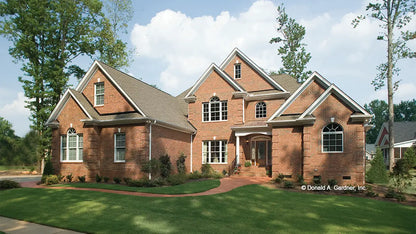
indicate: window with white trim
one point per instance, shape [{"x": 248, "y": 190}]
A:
[
  {"x": 214, "y": 152},
  {"x": 261, "y": 110},
  {"x": 72, "y": 146},
  {"x": 214, "y": 110},
  {"x": 99, "y": 94},
  {"x": 119, "y": 147},
  {"x": 237, "y": 71},
  {"x": 333, "y": 138}
]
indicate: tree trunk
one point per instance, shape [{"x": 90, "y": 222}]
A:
[{"x": 390, "y": 89}]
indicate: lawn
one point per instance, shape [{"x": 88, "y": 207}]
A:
[
  {"x": 190, "y": 187},
  {"x": 248, "y": 209}
]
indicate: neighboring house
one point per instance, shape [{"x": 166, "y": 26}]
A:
[
  {"x": 112, "y": 123},
  {"x": 370, "y": 151},
  {"x": 404, "y": 137}
]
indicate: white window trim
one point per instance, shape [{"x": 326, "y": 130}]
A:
[
  {"x": 95, "y": 94},
  {"x": 67, "y": 150},
  {"x": 209, "y": 152},
  {"x": 255, "y": 112},
  {"x": 209, "y": 112},
  {"x": 328, "y": 133},
  {"x": 115, "y": 148},
  {"x": 235, "y": 65}
]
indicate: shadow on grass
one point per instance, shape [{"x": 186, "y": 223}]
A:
[{"x": 248, "y": 209}]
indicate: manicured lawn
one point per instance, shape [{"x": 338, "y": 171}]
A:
[
  {"x": 190, "y": 187},
  {"x": 16, "y": 168},
  {"x": 248, "y": 209}
]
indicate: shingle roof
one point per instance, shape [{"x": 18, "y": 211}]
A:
[
  {"x": 287, "y": 82},
  {"x": 403, "y": 131},
  {"x": 155, "y": 103}
]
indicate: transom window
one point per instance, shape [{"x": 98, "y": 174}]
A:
[
  {"x": 237, "y": 71},
  {"x": 119, "y": 147},
  {"x": 214, "y": 152},
  {"x": 261, "y": 110},
  {"x": 99, "y": 93},
  {"x": 332, "y": 138},
  {"x": 214, "y": 110},
  {"x": 72, "y": 146}
]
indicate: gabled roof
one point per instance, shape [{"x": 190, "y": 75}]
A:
[
  {"x": 149, "y": 102},
  {"x": 287, "y": 82},
  {"x": 253, "y": 65},
  {"x": 403, "y": 131},
  {"x": 213, "y": 67}
]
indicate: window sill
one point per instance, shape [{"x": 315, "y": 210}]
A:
[
  {"x": 216, "y": 163},
  {"x": 98, "y": 105},
  {"x": 77, "y": 161},
  {"x": 333, "y": 152},
  {"x": 120, "y": 161},
  {"x": 214, "y": 121}
]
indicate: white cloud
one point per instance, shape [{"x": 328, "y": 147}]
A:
[{"x": 16, "y": 113}]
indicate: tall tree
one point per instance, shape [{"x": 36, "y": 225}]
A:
[
  {"x": 8, "y": 142},
  {"x": 393, "y": 15},
  {"x": 405, "y": 111},
  {"x": 113, "y": 50},
  {"x": 379, "y": 110},
  {"x": 46, "y": 36},
  {"x": 292, "y": 50}
]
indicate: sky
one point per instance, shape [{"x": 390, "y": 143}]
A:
[{"x": 174, "y": 41}]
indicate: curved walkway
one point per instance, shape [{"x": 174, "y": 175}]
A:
[{"x": 227, "y": 184}]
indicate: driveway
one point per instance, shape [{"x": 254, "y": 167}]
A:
[{"x": 22, "y": 178}]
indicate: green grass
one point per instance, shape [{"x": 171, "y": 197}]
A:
[
  {"x": 16, "y": 168},
  {"x": 190, "y": 187},
  {"x": 248, "y": 209}
]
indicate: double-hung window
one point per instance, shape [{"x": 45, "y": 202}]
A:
[
  {"x": 214, "y": 110},
  {"x": 332, "y": 138},
  {"x": 237, "y": 71},
  {"x": 119, "y": 147},
  {"x": 72, "y": 146},
  {"x": 214, "y": 151},
  {"x": 99, "y": 93}
]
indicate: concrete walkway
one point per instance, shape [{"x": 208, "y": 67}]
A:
[
  {"x": 227, "y": 184},
  {"x": 15, "y": 226}
]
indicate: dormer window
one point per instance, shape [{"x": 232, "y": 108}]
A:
[
  {"x": 99, "y": 94},
  {"x": 237, "y": 71}
]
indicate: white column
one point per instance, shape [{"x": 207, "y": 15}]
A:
[{"x": 237, "y": 149}]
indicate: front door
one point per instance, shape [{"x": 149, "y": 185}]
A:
[{"x": 261, "y": 152}]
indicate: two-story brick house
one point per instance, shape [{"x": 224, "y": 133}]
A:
[{"x": 235, "y": 112}]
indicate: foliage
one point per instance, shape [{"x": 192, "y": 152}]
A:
[
  {"x": 410, "y": 157},
  {"x": 195, "y": 175},
  {"x": 50, "y": 179},
  {"x": 177, "y": 179},
  {"x": 369, "y": 192},
  {"x": 247, "y": 164},
  {"x": 9, "y": 184},
  {"x": 117, "y": 180},
  {"x": 151, "y": 166},
  {"x": 207, "y": 170},
  {"x": 300, "y": 179},
  {"x": 288, "y": 184},
  {"x": 48, "y": 170},
  {"x": 391, "y": 193},
  {"x": 377, "y": 172},
  {"x": 106, "y": 179},
  {"x": 98, "y": 178},
  {"x": 180, "y": 164},
  {"x": 143, "y": 182},
  {"x": 332, "y": 182},
  {"x": 393, "y": 16},
  {"x": 294, "y": 56},
  {"x": 126, "y": 180},
  {"x": 81, "y": 179},
  {"x": 165, "y": 166},
  {"x": 317, "y": 180},
  {"x": 69, "y": 178},
  {"x": 401, "y": 176}
]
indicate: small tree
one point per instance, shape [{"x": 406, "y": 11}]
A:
[
  {"x": 180, "y": 164},
  {"x": 401, "y": 175},
  {"x": 48, "y": 170},
  {"x": 410, "y": 157},
  {"x": 165, "y": 166},
  {"x": 377, "y": 172}
]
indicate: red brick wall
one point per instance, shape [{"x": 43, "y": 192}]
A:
[
  {"x": 308, "y": 96},
  {"x": 113, "y": 100},
  {"x": 287, "y": 151},
  {"x": 171, "y": 142},
  {"x": 271, "y": 107},
  {"x": 334, "y": 165},
  {"x": 250, "y": 79}
]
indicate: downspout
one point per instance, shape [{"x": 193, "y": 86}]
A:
[
  {"x": 243, "y": 111},
  {"x": 150, "y": 145},
  {"x": 192, "y": 136}
]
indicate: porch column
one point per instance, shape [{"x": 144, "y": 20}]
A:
[{"x": 237, "y": 149}]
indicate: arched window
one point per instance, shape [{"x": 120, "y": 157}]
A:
[
  {"x": 214, "y": 110},
  {"x": 332, "y": 138},
  {"x": 72, "y": 146},
  {"x": 261, "y": 110}
]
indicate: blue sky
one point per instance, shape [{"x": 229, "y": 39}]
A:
[{"x": 176, "y": 40}]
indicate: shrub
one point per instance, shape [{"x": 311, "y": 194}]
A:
[
  {"x": 288, "y": 184},
  {"x": 317, "y": 180},
  {"x": 51, "y": 179},
  {"x": 216, "y": 175},
  {"x": 224, "y": 172},
  {"x": 151, "y": 166},
  {"x": 143, "y": 182},
  {"x": 370, "y": 192},
  {"x": 117, "y": 180},
  {"x": 106, "y": 179},
  {"x": 98, "y": 178},
  {"x": 9, "y": 184},
  {"x": 247, "y": 164},
  {"x": 81, "y": 179},
  {"x": 207, "y": 170},
  {"x": 159, "y": 181},
  {"x": 332, "y": 182},
  {"x": 60, "y": 177},
  {"x": 377, "y": 172},
  {"x": 177, "y": 179},
  {"x": 126, "y": 180},
  {"x": 300, "y": 179},
  {"x": 390, "y": 193},
  {"x": 401, "y": 175},
  {"x": 195, "y": 175},
  {"x": 69, "y": 178},
  {"x": 48, "y": 169},
  {"x": 180, "y": 164},
  {"x": 410, "y": 157},
  {"x": 165, "y": 166},
  {"x": 281, "y": 176}
]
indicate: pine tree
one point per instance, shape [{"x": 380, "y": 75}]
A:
[{"x": 377, "y": 172}]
